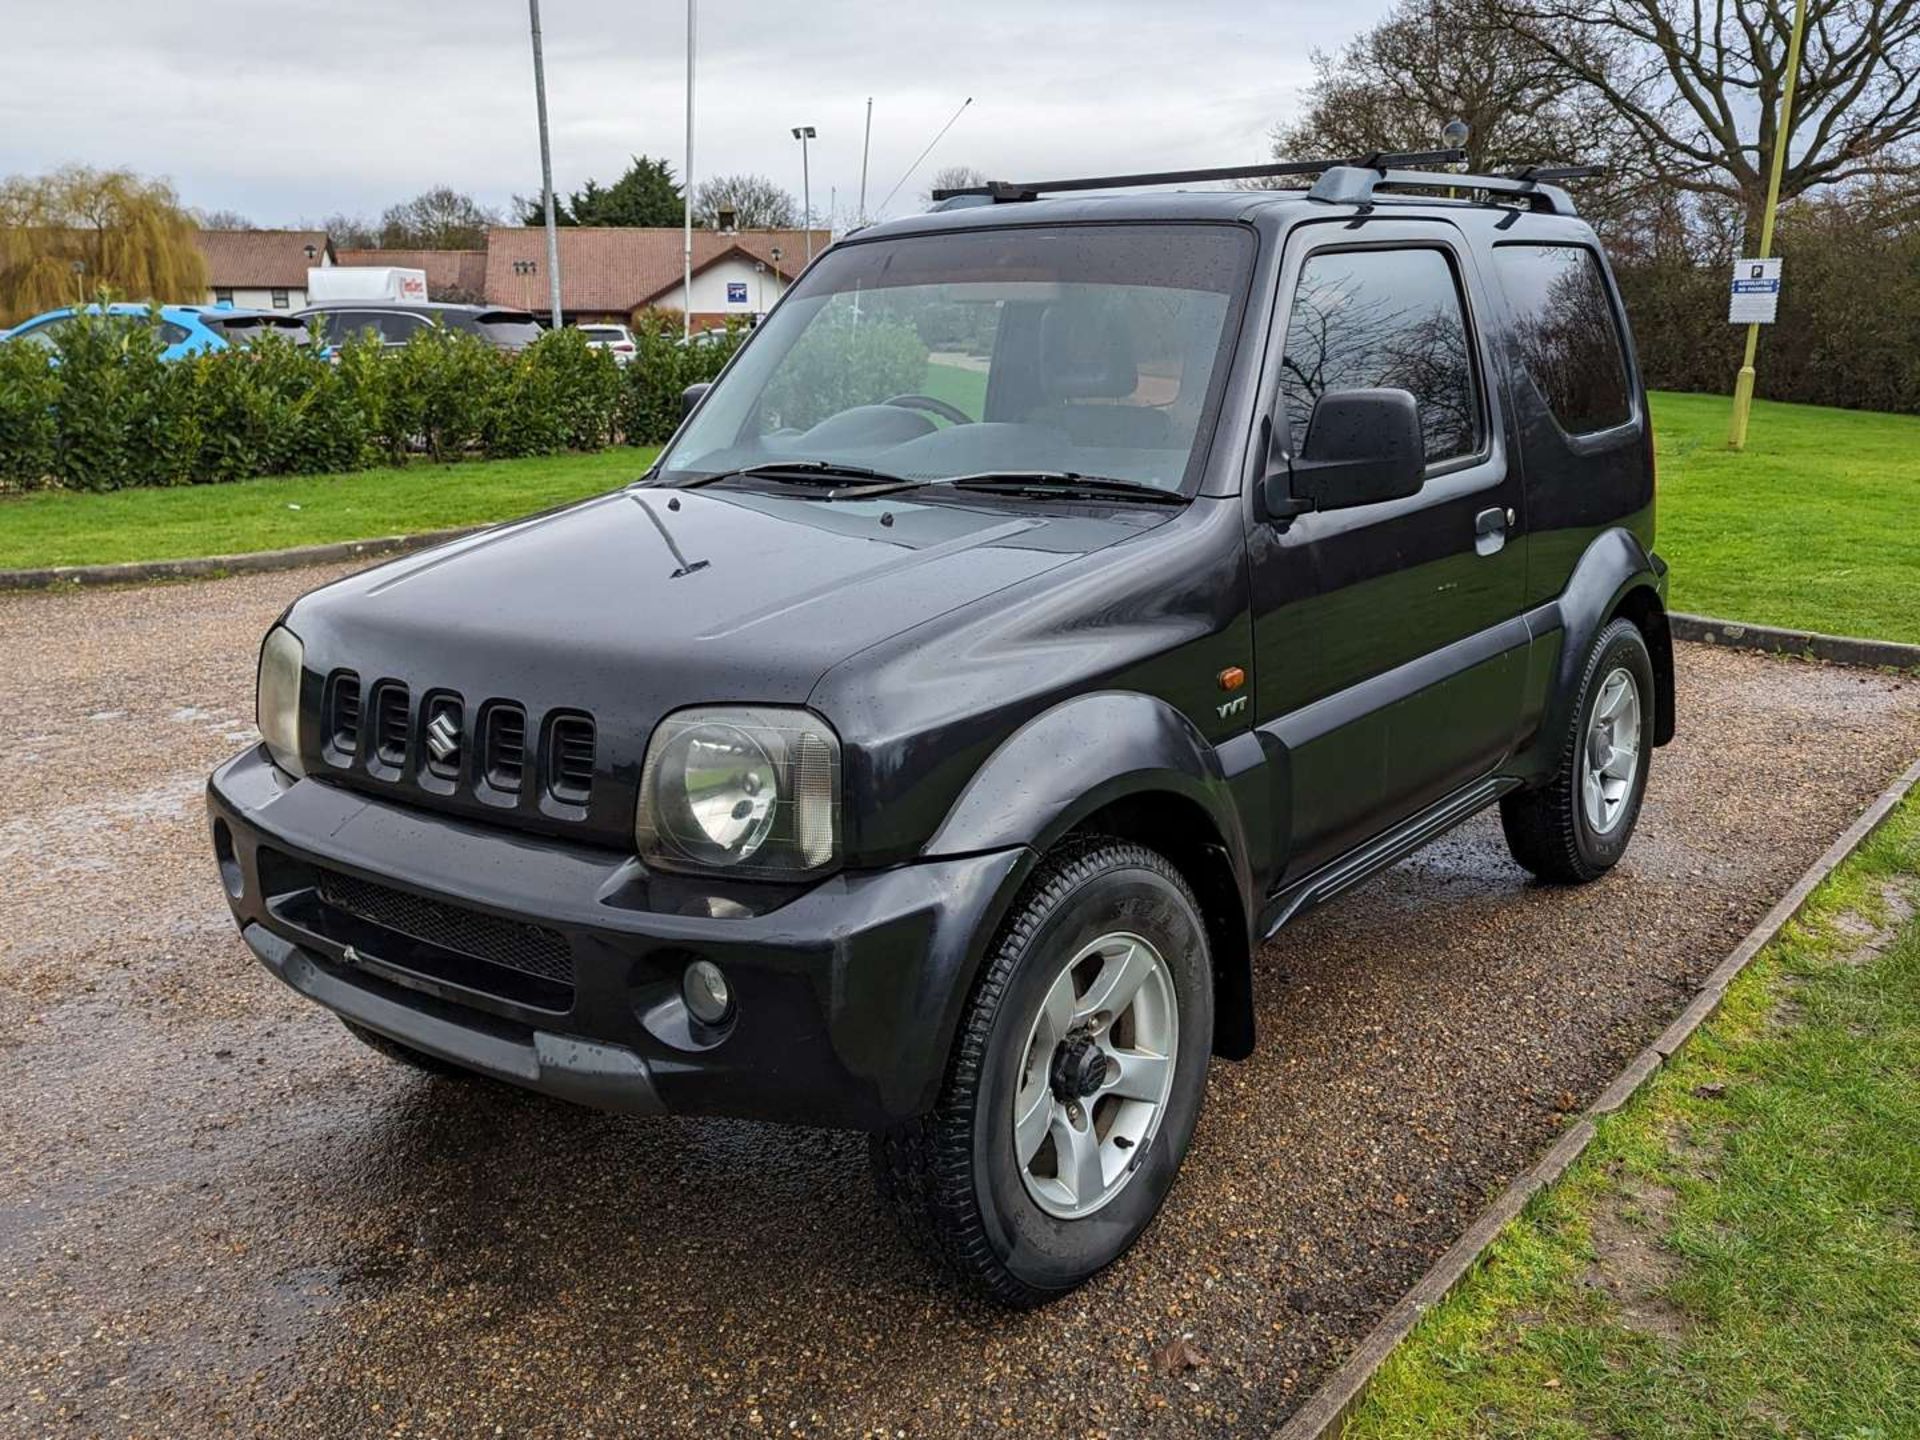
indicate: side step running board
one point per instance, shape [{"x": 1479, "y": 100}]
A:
[{"x": 1350, "y": 869}]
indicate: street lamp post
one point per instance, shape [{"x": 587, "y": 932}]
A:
[
  {"x": 686, "y": 199},
  {"x": 546, "y": 164},
  {"x": 804, "y": 133}
]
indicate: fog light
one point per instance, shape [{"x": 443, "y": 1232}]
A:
[{"x": 709, "y": 998}]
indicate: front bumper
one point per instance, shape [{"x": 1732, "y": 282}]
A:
[{"x": 557, "y": 966}]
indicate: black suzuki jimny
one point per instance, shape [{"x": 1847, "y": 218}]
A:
[{"x": 1052, "y": 598}]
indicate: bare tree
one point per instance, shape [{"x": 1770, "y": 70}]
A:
[
  {"x": 1698, "y": 86},
  {"x": 440, "y": 218},
  {"x": 952, "y": 177},
  {"x": 348, "y": 232},
  {"x": 222, "y": 220},
  {"x": 1396, "y": 86},
  {"x": 757, "y": 203}
]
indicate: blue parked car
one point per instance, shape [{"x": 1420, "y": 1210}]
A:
[{"x": 186, "y": 329}]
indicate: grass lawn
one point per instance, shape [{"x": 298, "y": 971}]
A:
[
  {"x": 1815, "y": 526},
  {"x": 63, "y": 528},
  {"x": 1738, "y": 1252}
]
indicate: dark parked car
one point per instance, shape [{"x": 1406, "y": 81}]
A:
[
  {"x": 396, "y": 322},
  {"x": 926, "y": 743}
]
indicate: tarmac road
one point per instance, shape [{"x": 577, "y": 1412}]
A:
[{"x": 220, "y": 1215}]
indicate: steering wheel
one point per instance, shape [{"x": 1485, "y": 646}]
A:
[{"x": 951, "y": 413}]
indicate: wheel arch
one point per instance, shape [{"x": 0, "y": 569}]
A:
[
  {"x": 1616, "y": 576},
  {"x": 1131, "y": 766}
]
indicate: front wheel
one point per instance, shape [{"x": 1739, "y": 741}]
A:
[
  {"x": 1576, "y": 827},
  {"x": 1076, "y": 1079}
]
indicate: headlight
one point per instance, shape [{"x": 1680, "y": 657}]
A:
[
  {"x": 277, "y": 697},
  {"x": 747, "y": 789}
]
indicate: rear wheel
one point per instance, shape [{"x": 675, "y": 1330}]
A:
[
  {"x": 1576, "y": 827},
  {"x": 1076, "y": 1080}
]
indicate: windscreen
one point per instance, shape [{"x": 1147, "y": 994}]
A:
[{"x": 1094, "y": 349}]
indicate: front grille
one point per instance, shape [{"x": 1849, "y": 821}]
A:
[
  {"x": 343, "y": 712},
  {"x": 430, "y": 744},
  {"x": 392, "y": 722},
  {"x": 529, "y": 949},
  {"x": 504, "y": 753},
  {"x": 570, "y": 759}
]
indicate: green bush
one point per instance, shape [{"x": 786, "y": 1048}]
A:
[
  {"x": 110, "y": 383},
  {"x": 29, "y": 390},
  {"x": 442, "y": 386},
  {"x": 663, "y": 366},
  {"x": 272, "y": 408}
]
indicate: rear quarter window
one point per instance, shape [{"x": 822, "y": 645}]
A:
[{"x": 1565, "y": 334}]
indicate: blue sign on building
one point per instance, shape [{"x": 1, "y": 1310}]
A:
[{"x": 736, "y": 292}]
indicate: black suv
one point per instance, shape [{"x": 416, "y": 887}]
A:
[
  {"x": 397, "y": 322},
  {"x": 1049, "y": 601}
]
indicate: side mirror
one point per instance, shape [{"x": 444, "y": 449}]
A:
[
  {"x": 690, "y": 397},
  {"x": 1362, "y": 447}
]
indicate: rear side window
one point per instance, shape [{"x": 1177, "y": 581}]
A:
[
  {"x": 1565, "y": 333},
  {"x": 1364, "y": 319},
  {"x": 508, "y": 327},
  {"x": 396, "y": 328}
]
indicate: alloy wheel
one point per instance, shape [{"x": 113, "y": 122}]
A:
[{"x": 1095, "y": 1075}]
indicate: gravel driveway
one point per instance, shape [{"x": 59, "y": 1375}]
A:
[{"x": 219, "y": 1215}]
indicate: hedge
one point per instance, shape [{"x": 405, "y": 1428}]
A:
[{"x": 102, "y": 411}]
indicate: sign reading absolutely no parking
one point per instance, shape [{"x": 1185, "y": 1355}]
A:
[{"x": 1756, "y": 292}]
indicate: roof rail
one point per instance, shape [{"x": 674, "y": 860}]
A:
[
  {"x": 1356, "y": 184},
  {"x": 1009, "y": 191}
]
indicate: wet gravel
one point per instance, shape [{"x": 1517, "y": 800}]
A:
[{"x": 220, "y": 1215}]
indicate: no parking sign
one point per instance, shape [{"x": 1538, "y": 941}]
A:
[{"x": 1756, "y": 292}]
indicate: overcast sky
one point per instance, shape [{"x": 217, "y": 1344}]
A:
[{"x": 283, "y": 111}]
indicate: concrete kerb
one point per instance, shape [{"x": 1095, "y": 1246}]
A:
[
  {"x": 1326, "y": 1411},
  {"x": 1839, "y": 649},
  {"x": 138, "y": 572}
]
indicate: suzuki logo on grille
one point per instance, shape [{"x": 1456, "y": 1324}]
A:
[{"x": 443, "y": 737}]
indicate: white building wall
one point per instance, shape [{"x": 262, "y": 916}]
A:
[
  {"x": 247, "y": 299},
  {"x": 710, "y": 288}
]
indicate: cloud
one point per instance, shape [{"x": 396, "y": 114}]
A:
[{"x": 284, "y": 111}]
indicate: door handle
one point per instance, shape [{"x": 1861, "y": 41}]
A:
[{"x": 1490, "y": 530}]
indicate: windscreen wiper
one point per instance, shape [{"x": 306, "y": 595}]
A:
[
  {"x": 1064, "y": 483},
  {"x": 830, "y": 474},
  {"x": 806, "y": 472}
]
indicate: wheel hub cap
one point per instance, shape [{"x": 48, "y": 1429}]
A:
[
  {"x": 1610, "y": 759},
  {"x": 1079, "y": 1068},
  {"x": 1095, "y": 1075}
]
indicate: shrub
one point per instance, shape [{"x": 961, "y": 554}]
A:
[
  {"x": 442, "y": 386},
  {"x": 273, "y": 408},
  {"x": 109, "y": 378},
  {"x": 663, "y": 366},
  {"x": 29, "y": 390}
]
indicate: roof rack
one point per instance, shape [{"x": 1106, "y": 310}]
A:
[
  {"x": 1009, "y": 191},
  {"x": 1346, "y": 181}
]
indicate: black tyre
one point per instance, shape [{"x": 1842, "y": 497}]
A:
[
  {"x": 406, "y": 1054},
  {"x": 1075, "y": 1080},
  {"x": 1576, "y": 827}
]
